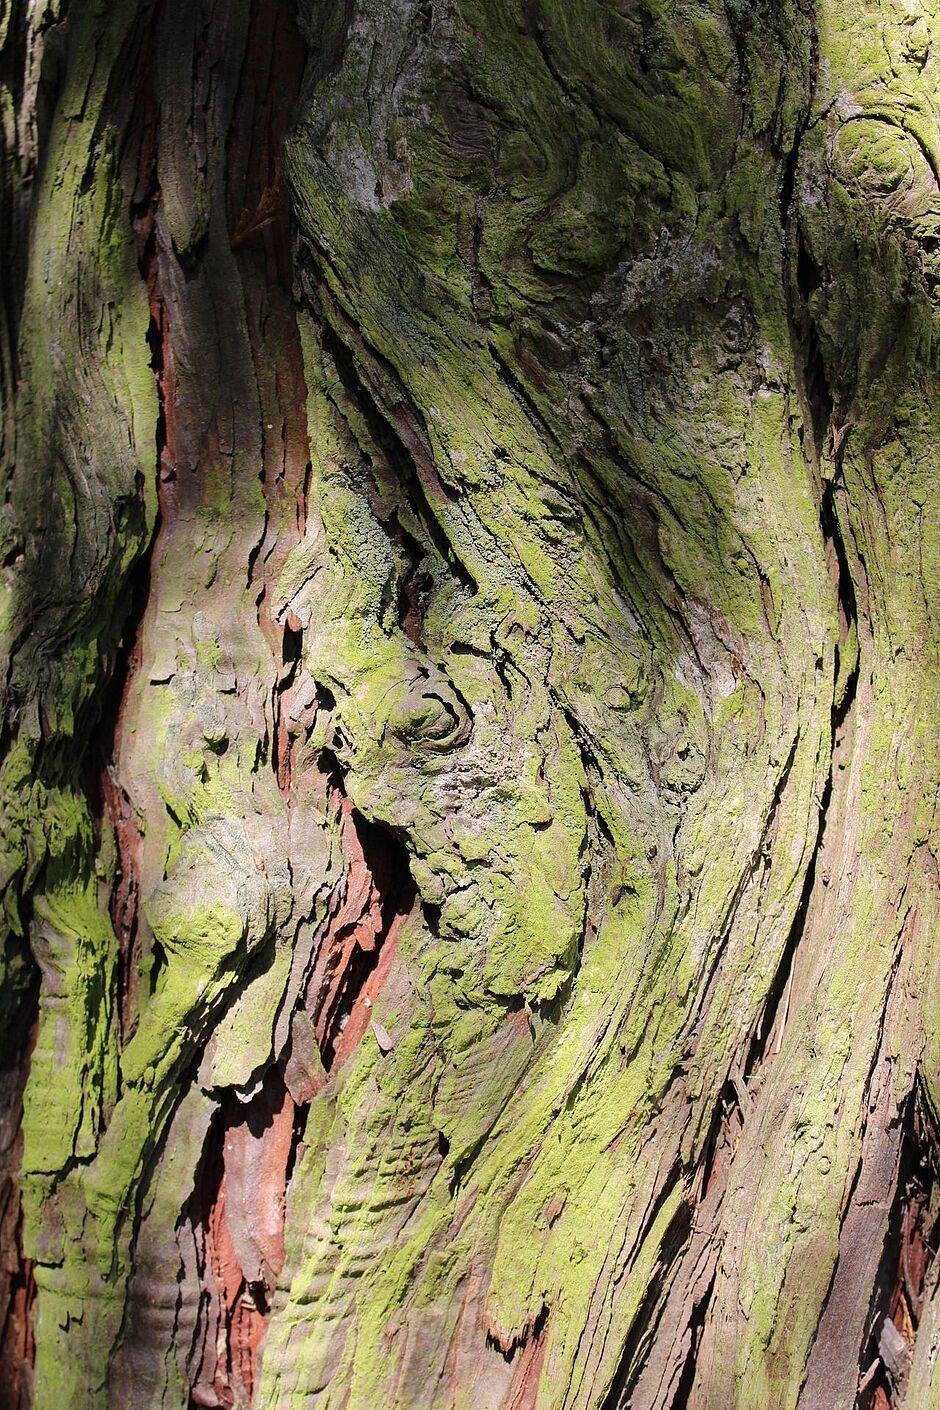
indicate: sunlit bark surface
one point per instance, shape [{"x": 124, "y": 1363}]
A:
[{"x": 469, "y": 600}]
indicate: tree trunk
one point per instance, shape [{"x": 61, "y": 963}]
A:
[{"x": 469, "y": 561}]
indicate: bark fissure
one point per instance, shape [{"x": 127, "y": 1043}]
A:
[
  {"x": 910, "y": 1246},
  {"x": 353, "y": 949}
]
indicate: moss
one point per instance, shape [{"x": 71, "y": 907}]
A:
[
  {"x": 512, "y": 928},
  {"x": 74, "y": 1065},
  {"x": 555, "y": 367},
  {"x": 83, "y": 379}
]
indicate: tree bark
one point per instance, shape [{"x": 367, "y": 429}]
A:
[{"x": 470, "y": 764}]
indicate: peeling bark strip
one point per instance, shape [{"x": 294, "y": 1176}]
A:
[
  {"x": 17, "y": 1281},
  {"x": 469, "y": 738}
]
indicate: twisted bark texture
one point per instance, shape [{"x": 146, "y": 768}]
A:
[{"x": 469, "y": 839}]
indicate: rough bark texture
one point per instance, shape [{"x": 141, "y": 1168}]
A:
[{"x": 469, "y": 561}]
